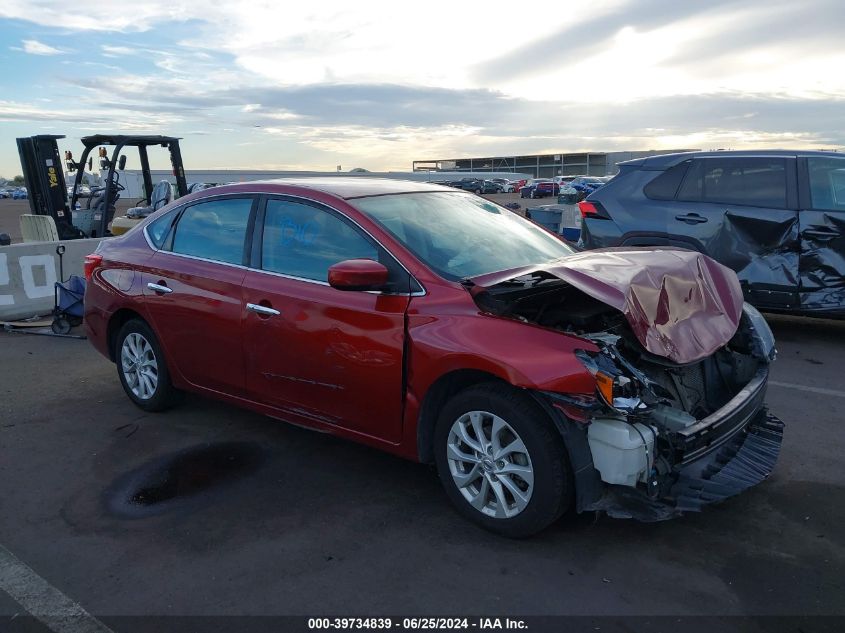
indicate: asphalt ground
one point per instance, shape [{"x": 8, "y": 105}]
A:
[{"x": 301, "y": 523}]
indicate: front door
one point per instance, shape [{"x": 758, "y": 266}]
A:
[
  {"x": 323, "y": 354},
  {"x": 822, "y": 222}
]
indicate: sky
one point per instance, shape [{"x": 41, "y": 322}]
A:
[{"x": 280, "y": 85}]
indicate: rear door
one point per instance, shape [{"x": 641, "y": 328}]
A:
[
  {"x": 822, "y": 225},
  {"x": 192, "y": 290},
  {"x": 742, "y": 211},
  {"x": 323, "y": 354}
]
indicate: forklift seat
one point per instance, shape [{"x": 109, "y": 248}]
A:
[{"x": 162, "y": 194}]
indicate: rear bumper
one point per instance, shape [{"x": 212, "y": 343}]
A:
[{"x": 744, "y": 460}]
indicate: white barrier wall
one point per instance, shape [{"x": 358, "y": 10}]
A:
[{"x": 29, "y": 270}]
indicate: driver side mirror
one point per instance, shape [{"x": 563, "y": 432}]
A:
[
  {"x": 121, "y": 162},
  {"x": 358, "y": 274}
]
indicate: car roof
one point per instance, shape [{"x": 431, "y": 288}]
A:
[
  {"x": 346, "y": 187},
  {"x": 662, "y": 161}
]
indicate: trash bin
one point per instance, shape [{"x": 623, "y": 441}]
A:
[
  {"x": 547, "y": 216},
  {"x": 568, "y": 195}
]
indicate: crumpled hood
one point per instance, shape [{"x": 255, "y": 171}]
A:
[{"x": 680, "y": 304}]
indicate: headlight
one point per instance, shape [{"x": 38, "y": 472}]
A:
[
  {"x": 616, "y": 390},
  {"x": 761, "y": 331}
]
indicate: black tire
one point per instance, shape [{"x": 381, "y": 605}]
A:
[
  {"x": 60, "y": 325},
  {"x": 552, "y": 492},
  {"x": 165, "y": 395},
  {"x": 478, "y": 192}
]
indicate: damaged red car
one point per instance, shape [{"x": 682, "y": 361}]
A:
[{"x": 441, "y": 327}]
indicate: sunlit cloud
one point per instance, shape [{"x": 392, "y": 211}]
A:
[{"x": 34, "y": 47}]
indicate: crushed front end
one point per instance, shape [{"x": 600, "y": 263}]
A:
[
  {"x": 669, "y": 438},
  {"x": 663, "y": 434}
]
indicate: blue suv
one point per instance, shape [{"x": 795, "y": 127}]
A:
[{"x": 777, "y": 218}]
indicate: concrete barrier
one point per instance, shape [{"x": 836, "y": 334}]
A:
[{"x": 29, "y": 270}]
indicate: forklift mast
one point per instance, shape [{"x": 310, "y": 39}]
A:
[{"x": 45, "y": 181}]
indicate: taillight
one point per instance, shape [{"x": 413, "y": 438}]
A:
[
  {"x": 92, "y": 262},
  {"x": 587, "y": 208}
]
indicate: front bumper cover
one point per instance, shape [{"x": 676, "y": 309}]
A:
[{"x": 740, "y": 463}]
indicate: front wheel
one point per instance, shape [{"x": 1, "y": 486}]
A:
[
  {"x": 502, "y": 464},
  {"x": 142, "y": 369}
]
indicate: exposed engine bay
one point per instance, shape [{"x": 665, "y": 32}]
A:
[{"x": 652, "y": 416}]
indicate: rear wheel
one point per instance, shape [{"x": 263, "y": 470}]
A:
[
  {"x": 142, "y": 369},
  {"x": 501, "y": 462}
]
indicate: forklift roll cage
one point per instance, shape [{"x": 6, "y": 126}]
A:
[{"x": 119, "y": 142}]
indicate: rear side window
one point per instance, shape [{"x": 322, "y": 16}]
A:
[
  {"x": 665, "y": 186},
  {"x": 159, "y": 229},
  {"x": 827, "y": 183},
  {"x": 304, "y": 241},
  {"x": 214, "y": 230},
  {"x": 756, "y": 182}
]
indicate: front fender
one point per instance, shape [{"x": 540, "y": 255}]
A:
[{"x": 524, "y": 355}]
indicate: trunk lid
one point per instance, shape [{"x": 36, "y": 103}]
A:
[{"x": 680, "y": 304}]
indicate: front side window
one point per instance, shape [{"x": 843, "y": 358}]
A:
[
  {"x": 827, "y": 183},
  {"x": 214, "y": 230},
  {"x": 461, "y": 235},
  {"x": 304, "y": 241},
  {"x": 756, "y": 182}
]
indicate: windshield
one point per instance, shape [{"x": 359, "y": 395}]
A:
[{"x": 461, "y": 235}]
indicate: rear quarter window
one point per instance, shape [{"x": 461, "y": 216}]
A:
[
  {"x": 665, "y": 186},
  {"x": 159, "y": 229}
]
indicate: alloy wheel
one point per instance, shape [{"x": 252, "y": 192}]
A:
[
  {"x": 139, "y": 365},
  {"x": 490, "y": 464}
]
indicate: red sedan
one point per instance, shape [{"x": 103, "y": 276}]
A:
[{"x": 441, "y": 327}]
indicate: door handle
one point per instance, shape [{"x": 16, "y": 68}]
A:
[
  {"x": 822, "y": 234},
  {"x": 159, "y": 288},
  {"x": 691, "y": 218},
  {"x": 262, "y": 310}
]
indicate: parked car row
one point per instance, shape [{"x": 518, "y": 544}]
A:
[
  {"x": 15, "y": 193},
  {"x": 528, "y": 188},
  {"x": 476, "y": 185},
  {"x": 84, "y": 191}
]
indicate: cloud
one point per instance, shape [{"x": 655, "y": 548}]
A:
[
  {"x": 116, "y": 51},
  {"x": 382, "y": 84},
  {"x": 34, "y": 47},
  {"x": 398, "y": 116},
  {"x": 89, "y": 15}
]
